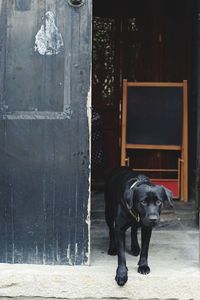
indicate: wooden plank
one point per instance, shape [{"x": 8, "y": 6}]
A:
[
  {"x": 179, "y": 175},
  {"x": 171, "y": 184},
  {"x": 185, "y": 143},
  {"x": 124, "y": 114},
  {"x": 164, "y": 179},
  {"x": 156, "y": 170},
  {"x": 155, "y": 84},
  {"x": 153, "y": 147}
]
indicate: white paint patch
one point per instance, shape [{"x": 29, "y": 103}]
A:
[
  {"x": 69, "y": 255},
  {"x": 76, "y": 249},
  {"x": 48, "y": 40}
]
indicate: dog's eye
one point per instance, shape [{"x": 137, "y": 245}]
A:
[
  {"x": 158, "y": 202},
  {"x": 143, "y": 203}
]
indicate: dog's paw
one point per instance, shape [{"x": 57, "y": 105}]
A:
[
  {"x": 121, "y": 276},
  {"x": 112, "y": 251},
  {"x": 135, "y": 251},
  {"x": 144, "y": 270}
]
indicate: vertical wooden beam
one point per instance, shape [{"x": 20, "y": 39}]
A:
[
  {"x": 184, "y": 193},
  {"x": 197, "y": 184},
  {"x": 179, "y": 176},
  {"x": 124, "y": 116}
]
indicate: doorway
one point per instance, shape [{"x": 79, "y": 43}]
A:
[{"x": 151, "y": 41}]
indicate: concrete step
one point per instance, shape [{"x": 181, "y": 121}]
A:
[{"x": 173, "y": 258}]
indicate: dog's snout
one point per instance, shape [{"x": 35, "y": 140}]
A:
[{"x": 153, "y": 218}]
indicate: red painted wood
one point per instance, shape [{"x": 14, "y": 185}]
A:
[{"x": 170, "y": 184}]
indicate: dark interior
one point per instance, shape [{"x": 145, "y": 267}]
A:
[{"x": 144, "y": 40}]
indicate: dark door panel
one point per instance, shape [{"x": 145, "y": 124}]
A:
[{"x": 44, "y": 134}]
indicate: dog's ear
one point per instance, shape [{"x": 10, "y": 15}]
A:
[
  {"x": 168, "y": 196},
  {"x": 128, "y": 197}
]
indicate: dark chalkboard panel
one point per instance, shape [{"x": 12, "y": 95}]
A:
[{"x": 154, "y": 115}]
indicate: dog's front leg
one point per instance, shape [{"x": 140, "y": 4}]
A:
[
  {"x": 135, "y": 248},
  {"x": 122, "y": 271},
  {"x": 143, "y": 267}
]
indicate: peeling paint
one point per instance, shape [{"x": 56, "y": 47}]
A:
[
  {"x": 87, "y": 255},
  {"x": 48, "y": 40},
  {"x": 37, "y": 115},
  {"x": 69, "y": 255},
  {"x": 76, "y": 249}
]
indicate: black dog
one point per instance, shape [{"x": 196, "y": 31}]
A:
[{"x": 132, "y": 201}]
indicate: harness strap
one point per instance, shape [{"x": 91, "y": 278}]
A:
[
  {"x": 132, "y": 186},
  {"x": 131, "y": 211}
]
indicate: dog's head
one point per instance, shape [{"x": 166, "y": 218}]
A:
[{"x": 147, "y": 200}]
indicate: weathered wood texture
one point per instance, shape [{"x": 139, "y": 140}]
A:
[
  {"x": 197, "y": 186},
  {"x": 44, "y": 131}
]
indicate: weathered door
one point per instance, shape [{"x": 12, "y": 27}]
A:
[{"x": 45, "y": 58}]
